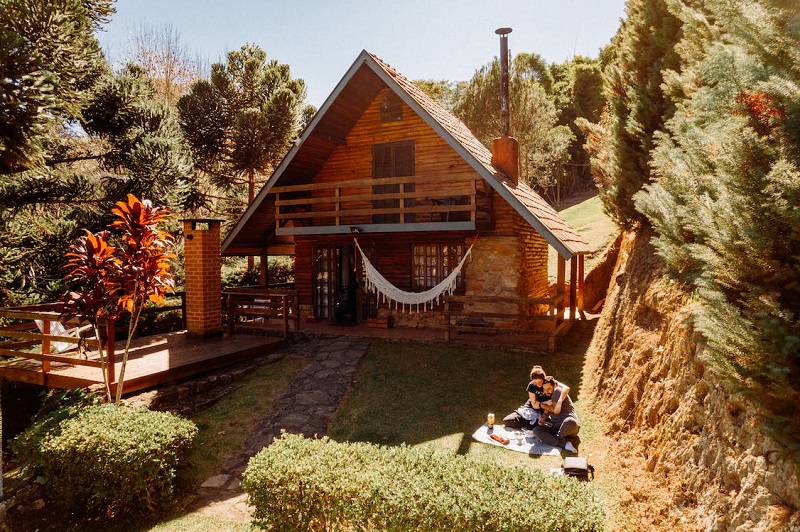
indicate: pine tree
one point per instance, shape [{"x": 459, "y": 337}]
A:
[
  {"x": 726, "y": 200},
  {"x": 532, "y": 116},
  {"x": 49, "y": 57},
  {"x": 621, "y": 144},
  {"x": 240, "y": 121}
]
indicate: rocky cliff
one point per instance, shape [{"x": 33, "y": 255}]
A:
[{"x": 689, "y": 454}]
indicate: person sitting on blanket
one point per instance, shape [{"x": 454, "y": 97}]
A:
[
  {"x": 563, "y": 421},
  {"x": 527, "y": 416}
]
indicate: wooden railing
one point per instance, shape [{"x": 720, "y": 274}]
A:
[
  {"x": 260, "y": 308},
  {"x": 25, "y": 339},
  {"x": 31, "y": 342},
  {"x": 538, "y": 315},
  {"x": 434, "y": 198}
]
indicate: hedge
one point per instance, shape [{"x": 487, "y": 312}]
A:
[
  {"x": 313, "y": 484},
  {"x": 107, "y": 460}
]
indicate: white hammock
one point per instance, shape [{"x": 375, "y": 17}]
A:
[{"x": 386, "y": 291}]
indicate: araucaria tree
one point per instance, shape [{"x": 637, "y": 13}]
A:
[
  {"x": 725, "y": 202},
  {"x": 110, "y": 281},
  {"x": 240, "y": 121}
]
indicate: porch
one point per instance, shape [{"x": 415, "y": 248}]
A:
[{"x": 58, "y": 356}]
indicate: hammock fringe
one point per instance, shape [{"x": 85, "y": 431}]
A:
[{"x": 386, "y": 292}]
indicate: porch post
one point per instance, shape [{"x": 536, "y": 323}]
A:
[
  {"x": 573, "y": 282},
  {"x": 561, "y": 280},
  {"x": 202, "y": 264},
  {"x": 581, "y": 286},
  {"x": 264, "y": 270}
]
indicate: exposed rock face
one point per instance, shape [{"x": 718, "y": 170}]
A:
[{"x": 688, "y": 448}]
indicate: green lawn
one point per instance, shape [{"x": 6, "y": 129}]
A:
[
  {"x": 593, "y": 225},
  {"x": 424, "y": 394}
]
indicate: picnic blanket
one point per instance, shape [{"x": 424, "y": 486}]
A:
[{"x": 517, "y": 440}]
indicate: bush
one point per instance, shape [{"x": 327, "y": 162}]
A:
[
  {"x": 107, "y": 460},
  {"x": 307, "y": 484}
]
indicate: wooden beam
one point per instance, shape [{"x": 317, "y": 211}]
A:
[
  {"x": 573, "y": 281},
  {"x": 561, "y": 280},
  {"x": 581, "y": 286},
  {"x": 378, "y": 228}
]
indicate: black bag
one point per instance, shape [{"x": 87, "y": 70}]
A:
[{"x": 578, "y": 467}]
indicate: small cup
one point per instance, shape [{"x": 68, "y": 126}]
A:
[{"x": 490, "y": 420}]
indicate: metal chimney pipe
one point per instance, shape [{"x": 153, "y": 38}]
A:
[{"x": 504, "y": 126}]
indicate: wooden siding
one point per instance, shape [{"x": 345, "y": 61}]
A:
[{"x": 438, "y": 166}]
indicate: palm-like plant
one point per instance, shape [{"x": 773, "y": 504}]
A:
[
  {"x": 145, "y": 269},
  {"x": 93, "y": 267},
  {"x": 111, "y": 280}
]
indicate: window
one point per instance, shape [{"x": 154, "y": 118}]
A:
[
  {"x": 392, "y": 159},
  {"x": 431, "y": 263},
  {"x": 391, "y": 108}
]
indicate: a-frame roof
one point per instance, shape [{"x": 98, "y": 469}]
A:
[{"x": 365, "y": 78}]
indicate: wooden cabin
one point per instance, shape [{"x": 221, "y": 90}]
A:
[{"x": 383, "y": 164}]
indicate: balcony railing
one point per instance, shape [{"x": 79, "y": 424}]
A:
[{"x": 446, "y": 201}]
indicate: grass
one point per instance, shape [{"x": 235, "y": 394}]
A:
[
  {"x": 592, "y": 224},
  {"x": 195, "y": 523},
  {"x": 423, "y": 394},
  {"x": 224, "y": 427}
]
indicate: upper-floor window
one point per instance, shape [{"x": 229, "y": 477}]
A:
[
  {"x": 391, "y": 108},
  {"x": 391, "y": 159}
]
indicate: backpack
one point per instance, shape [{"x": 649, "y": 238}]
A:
[{"x": 578, "y": 467}]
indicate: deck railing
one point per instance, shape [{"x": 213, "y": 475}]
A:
[
  {"x": 542, "y": 316},
  {"x": 261, "y": 308},
  {"x": 27, "y": 339},
  {"x": 433, "y": 198},
  {"x": 38, "y": 342}
]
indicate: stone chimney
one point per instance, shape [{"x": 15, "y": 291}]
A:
[
  {"x": 505, "y": 149},
  {"x": 202, "y": 265}
]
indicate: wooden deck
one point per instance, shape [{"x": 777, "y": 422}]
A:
[{"x": 153, "y": 360}]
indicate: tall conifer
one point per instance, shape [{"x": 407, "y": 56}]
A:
[
  {"x": 726, "y": 201},
  {"x": 637, "y": 107}
]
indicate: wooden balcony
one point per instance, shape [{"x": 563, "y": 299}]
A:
[{"x": 448, "y": 202}]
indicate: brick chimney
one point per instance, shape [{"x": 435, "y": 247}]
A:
[
  {"x": 505, "y": 149},
  {"x": 202, "y": 265}
]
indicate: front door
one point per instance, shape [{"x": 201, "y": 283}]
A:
[{"x": 335, "y": 287}]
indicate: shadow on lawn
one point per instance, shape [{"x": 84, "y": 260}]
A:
[{"x": 431, "y": 393}]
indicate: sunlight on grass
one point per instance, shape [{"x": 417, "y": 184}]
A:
[
  {"x": 592, "y": 224},
  {"x": 423, "y": 394},
  {"x": 196, "y": 523},
  {"x": 224, "y": 428}
]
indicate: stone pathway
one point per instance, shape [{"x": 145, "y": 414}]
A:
[{"x": 305, "y": 408}]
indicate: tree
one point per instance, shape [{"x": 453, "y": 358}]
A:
[
  {"x": 532, "y": 117},
  {"x": 445, "y": 93},
  {"x": 578, "y": 95},
  {"x": 621, "y": 144},
  {"x": 725, "y": 200},
  {"x": 145, "y": 153},
  {"x": 111, "y": 280},
  {"x": 166, "y": 59},
  {"x": 240, "y": 121},
  {"x": 49, "y": 58}
]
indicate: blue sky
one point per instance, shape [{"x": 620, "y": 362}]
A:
[{"x": 447, "y": 39}]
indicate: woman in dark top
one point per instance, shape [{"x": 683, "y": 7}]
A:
[{"x": 527, "y": 416}]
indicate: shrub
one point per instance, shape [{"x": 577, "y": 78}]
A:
[
  {"x": 306, "y": 484},
  {"x": 107, "y": 460}
]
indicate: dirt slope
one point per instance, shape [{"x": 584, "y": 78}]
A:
[{"x": 688, "y": 454}]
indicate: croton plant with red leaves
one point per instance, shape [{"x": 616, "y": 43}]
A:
[{"x": 111, "y": 280}]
